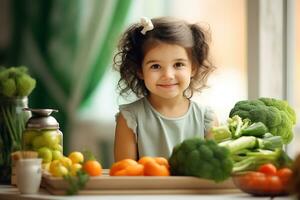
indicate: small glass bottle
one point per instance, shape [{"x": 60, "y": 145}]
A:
[{"x": 42, "y": 135}]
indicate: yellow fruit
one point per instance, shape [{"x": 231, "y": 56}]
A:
[
  {"x": 53, "y": 165},
  {"x": 65, "y": 161},
  {"x": 46, "y": 166},
  {"x": 60, "y": 171},
  {"x": 76, "y": 157},
  {"x": 75, "y": 168}
]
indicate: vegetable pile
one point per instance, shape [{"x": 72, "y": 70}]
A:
[
  {"x": 253, "y": 135},
  {"x": 250, "y": 144},
  {"x": 276, "y": 114},
  {"x": 267, "y": 180}
]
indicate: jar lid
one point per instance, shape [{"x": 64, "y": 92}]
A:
[{"x": 41, "y": 119}]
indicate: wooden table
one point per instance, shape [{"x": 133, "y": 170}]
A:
[{"x": 8, "y": 192}]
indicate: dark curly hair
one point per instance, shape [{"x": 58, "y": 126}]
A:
[{"x": 134, "y": 45}]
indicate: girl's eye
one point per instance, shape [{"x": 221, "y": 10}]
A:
[
  {"x": 179, "y": 65},
  {"x": 155, "y": 66}
]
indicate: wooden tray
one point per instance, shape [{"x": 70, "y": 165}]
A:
[{"x": 106, "y": 184}]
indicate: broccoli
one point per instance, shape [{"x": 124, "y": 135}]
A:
[
  {"x": 276, "y": 114},
  {"x": 236, "y": 127},
  {"x": 15, "y": 82},
  {"x": 201, "y": 158}
]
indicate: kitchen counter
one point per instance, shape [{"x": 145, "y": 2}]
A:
[{"x": 8, "y": 192}]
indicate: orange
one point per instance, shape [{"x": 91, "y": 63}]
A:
[{"x": 92, "y": 167}]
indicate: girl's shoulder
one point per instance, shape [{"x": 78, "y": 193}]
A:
[
  {"x": 205, "y": 110},
  {"x": 133, "y": 106},
  {"x": 199, "y": 106}
]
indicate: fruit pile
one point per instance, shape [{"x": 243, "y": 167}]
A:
[
  {"x": 47, "y": 143},
  {"x": 72, "y": 164}
]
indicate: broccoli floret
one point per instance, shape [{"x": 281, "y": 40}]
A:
[
  {"x": 221, "y": 133},
  {"x": 201, "y": 158},
  {"x": 276, "y": 114}
]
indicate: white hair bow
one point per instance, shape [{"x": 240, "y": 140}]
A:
[{"x": 147, "y": 25}]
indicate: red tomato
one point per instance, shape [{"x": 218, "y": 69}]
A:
[
  {"x": 255, "y": 181},
  {"x": 274, "y": 183},
  {"x": 284, "y": 175},
  {"x": 268, "y": 169}
]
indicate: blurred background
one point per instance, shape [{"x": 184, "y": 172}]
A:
[{"x": 68, "y": 47}]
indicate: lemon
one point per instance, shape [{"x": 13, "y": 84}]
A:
[
  {"x": 76, "y": 157},
  {"x": 60, "y": 171},
  {"x": 46, "y": 166},
  {"x": 53, "y": 165},
  {"x": 65, "y": 161},
  {"x": 75, "y": 168}
]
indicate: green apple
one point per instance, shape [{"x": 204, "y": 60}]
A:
[
  {"x": 45, "y": 153},
  {"x": 58, "y": 147},
  {"x": 56, "y": 155},
  {"x": 50, "y": 138},
  {"x": 28, "y": 137},
  {"x": 38, "y": 142}
]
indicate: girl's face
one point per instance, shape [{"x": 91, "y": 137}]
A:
[{"x": 166, "y": 70}]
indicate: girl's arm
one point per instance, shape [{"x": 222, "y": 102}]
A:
[
  {"x": 215, "y": 122},
  {"x": 125, "y": 142}
]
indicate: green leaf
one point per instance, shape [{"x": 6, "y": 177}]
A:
[{"x": 76, "y": 183}]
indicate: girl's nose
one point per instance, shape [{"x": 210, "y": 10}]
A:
[{"x": 168, "y": 73}]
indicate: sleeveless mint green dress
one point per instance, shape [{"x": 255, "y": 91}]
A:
[{"x": 156, "y": 135}]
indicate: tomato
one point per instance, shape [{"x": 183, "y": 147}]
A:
[
  {"x": 260, "y": 183},
  {"x": 268, "y": 169},
  {"x": 274, "y": 183},
  {"x": 284, "y": 175},
  {"x": 255, "y": 181}
]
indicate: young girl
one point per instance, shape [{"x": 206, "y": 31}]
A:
[{"x": 162, "y": 61}]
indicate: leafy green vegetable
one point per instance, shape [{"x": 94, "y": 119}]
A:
[
  {"x": 251, "y": 142},
  {"x": 201, "y": 158},
  {"x": 256, "y": 129},
  {"x": 251, "y": 160},
  {"x": 236, "y": 127},
  {"x": 76, "y": 183},
  {"x": 276, "y": 114}
]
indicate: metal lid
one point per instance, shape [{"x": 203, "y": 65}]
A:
[{"x": 41, "y": 119}]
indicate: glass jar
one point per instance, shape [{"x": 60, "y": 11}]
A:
[
  {"x": 12, "y": 124},
  {"x": 42, "y": 135}
]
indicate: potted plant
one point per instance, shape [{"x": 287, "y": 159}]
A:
[{"x": 15, "y": 86}]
